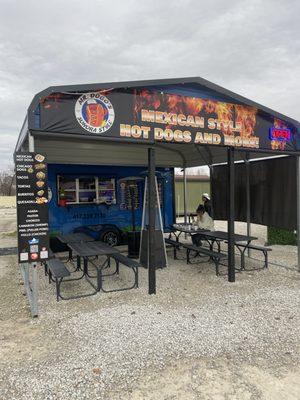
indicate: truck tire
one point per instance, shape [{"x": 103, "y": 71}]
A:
[{"x": 110, "y": 236}]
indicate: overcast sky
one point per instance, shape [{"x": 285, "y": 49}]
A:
[{"x": 250, "y": 47}]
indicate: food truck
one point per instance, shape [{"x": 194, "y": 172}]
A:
[{"x": 96, "y": 199}]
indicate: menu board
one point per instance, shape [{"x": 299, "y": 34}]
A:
[
  {"x": 32, "y": 207},
  {"x": 129, "y": 191}
]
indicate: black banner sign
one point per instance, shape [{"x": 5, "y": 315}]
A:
[
  {"x": 146, "y": 115},
  {"x": 32, "y": 207}
]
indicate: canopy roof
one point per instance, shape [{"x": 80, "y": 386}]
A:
[{"x": 190, "y": 121}]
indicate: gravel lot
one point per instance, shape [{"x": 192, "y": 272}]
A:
[
  {"x": 199, "y": 337},
  {"x": 96, "y": 347}
]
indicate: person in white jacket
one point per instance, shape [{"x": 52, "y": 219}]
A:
[{"x": 205, "y": 222}]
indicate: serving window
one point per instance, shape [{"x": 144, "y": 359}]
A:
[
  {"x": 106, "y": 191},
  {"x": 85, "y": 190},
  {"x": 67, "y": 189}
]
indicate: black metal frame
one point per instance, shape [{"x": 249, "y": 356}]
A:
[
  {"x": 151, "y": 226},
  {"x": 117, "y": 262},
  {"x": 59, "y": 280},
  {"x": 99, "y": 275},
  {"x": 215, "y": 257},
  {"x": 242, "y": 249},
  {"x": 230, "y": 205},
  {"x": 173, "y": 198},
  {"x": 151, "y": 151},
  {"x": 175, "y": 245}
]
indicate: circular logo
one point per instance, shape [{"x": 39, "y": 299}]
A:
[{"x": 94, "y": 112}]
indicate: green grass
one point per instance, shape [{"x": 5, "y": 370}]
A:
[{"x": 281, "y": 236}]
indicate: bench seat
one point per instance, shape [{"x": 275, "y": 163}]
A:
[
  {"x": 215, "y": 256},
  {"x": 57, "y": 268},
  {"x": 256, "y": 247},
  {"x": 129, "y": 262},
  {"x": 120, "y": 258},
  {"x": 175, "y": 244},
  {"x": 57, "y": 271}
]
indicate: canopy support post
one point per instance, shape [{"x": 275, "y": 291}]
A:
[
  {"x": 230, "y": 223},
  {"x": 248, "y": 199},
  {"x": 31, "y": 288},
  {"x": 184, "y": 196},
  {"x": 298, "y": 209},
  {"x": 211, "y": 171},
  {"x": 151, "y": 226}
]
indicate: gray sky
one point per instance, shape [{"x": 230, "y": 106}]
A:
[{"x": 250, "y": 47}]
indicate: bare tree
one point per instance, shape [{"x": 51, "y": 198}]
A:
[{"x": 7, "y": 182}]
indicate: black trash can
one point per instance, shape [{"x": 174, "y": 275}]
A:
[{"x": 133, "y": 239}]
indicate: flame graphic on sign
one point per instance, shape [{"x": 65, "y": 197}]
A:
[
  {"x": 226, "y": 113},
  {"x": 246, "y": 117}
]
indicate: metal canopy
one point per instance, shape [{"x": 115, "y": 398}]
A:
[
  {"x": 68, "y": 149},
  {"x": 71, "y": 147},
  {"x": 190, "y": 83},
  {"x": 64, "y": 138}
]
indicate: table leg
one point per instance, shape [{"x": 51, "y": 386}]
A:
[
  {"x": 243, "y": 256},
  {"x": 243, "y": 259},
  {"x": 99, "y": 279},
  {"x": 99, "y": 273},
  {"x": 85, "y": 265},
  {"x": 78, "y": 263},
  {"x": 242, "y": 252},
  {"x": 177, "y": 236}
]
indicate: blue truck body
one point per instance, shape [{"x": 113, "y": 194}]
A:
[{"x": 95, "y": 217}]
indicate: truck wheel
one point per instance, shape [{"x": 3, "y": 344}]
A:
[{"x": 110, "y": 236}]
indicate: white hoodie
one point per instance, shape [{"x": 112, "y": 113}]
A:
[{"x": 205, "y": 222}]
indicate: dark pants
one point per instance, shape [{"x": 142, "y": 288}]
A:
[{"x": 196, "y": 239}]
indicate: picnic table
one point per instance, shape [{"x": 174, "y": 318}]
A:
[
  {"x": 241, "y": 242},
  {"x": 86, "y": 250},
  {"x": 74, "y": 238}
]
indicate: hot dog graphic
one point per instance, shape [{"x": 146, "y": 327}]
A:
[{"x": 95, "y": 113}]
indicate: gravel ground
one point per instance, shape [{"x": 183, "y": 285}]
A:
[
  {"x": 199, "y": 337},
  {"x": 97, "y": 347},
  {"x": 7, "y": 202}
]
